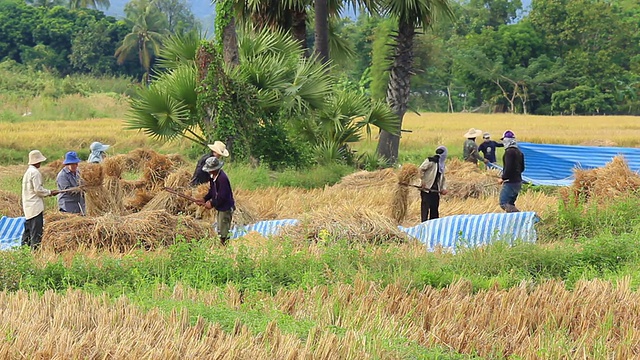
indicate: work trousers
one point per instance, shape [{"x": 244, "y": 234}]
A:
[
  {"x": 429, "y": 204},
  {"x": 33, "y": 228}
]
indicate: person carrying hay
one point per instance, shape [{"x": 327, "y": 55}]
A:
[
  {"x": 513, "y": 161},
  {"x": 33, "y": 193},
  {"x": 69, "y": 177},
  {"x": 219, "y": 197},
  {"x": 470, "y": 148},
  {"x": 219, "y": 150},
  {"x": 432, "y": 184},
  {"x": 98, "y": 152}
]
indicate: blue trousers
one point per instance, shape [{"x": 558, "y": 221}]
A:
[{"x": 508, "y": 196}]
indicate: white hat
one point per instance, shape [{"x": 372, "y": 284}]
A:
[
  {"x": 219, "y": 148},
  {"x": 473, "y": 133},
  {"x": 36, "y": 157}
]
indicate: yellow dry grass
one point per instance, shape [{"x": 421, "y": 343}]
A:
[
  {"x": 596, "y": 320},
  {"x": 63, "y": 134},
  {"x": 442, "y": 128},
  {"x": 10, "y": 204}
]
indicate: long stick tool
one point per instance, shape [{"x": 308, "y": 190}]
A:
[{"x": 179, "y": 194}]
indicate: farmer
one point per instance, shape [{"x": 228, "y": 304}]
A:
[
  {"x": 488, "y": 148},
  {"x": 98, "y": 152},
  {"x": 69, "y": 177},
  {"x": 513, "y": 161},
  {"x": 432, "y": 184},
  {"x": 219, "y": 150},
  {"x": 219, "y": 197},
  {"x": 470, "y": 148},
  {"x": 33, "y": 194}
]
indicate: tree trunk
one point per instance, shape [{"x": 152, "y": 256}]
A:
[
  {"x": 398, "y": 90},
  {"x": 230, "y": 43},
  {"x": 299, "y": 28},
  {"x": 322, "y": 30}
]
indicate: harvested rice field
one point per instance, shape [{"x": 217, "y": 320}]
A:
[{"x": 142, "y": 276}]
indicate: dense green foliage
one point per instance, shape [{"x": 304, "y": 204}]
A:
[{"x": 562, "y": 57}]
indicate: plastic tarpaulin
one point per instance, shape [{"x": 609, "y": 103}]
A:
[
  {"x": 449, "y": 232},
  {"x": 11, "y": 230},
  {"x": 456, "y": 231},
  {"x": 547, "y": 164}
]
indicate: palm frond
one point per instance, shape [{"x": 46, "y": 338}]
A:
[
  {"x": 157, "y": 114},
  {"x": 179, "y": 49}
]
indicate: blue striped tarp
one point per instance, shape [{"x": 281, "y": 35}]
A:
[
  {"x": 265, "y": 228},
  {"x": 553, "y": 165},
  {"x": 11, "y": 230},
  {"x": 474, "y": 230}
]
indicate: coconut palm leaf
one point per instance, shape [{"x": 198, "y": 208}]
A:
[{"x": 417, "y": 13}]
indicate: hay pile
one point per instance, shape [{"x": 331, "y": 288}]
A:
[
  {"x": 466, "y": 180},
  {"x": 112, "y": 168},
  {"x": 400, "y": 196},
  {"x": 345, "y": 222},
  {"x": 10, "y": 204},
  {"x": 97, "y": 198},
  {"x": 164, "y": 200},
  {"x": 51, "y": 170},
  {"x": 366, "y": 179},
  {"x": 155, "y": 171},
  {"x": 612, "y": 181},
  {"x": 148, "y": 229}
]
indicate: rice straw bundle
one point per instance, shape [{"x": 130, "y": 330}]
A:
[
  {"x": 170, "y": 202},
  {"x": 129, "y": 187},
  {"x": 245, "y": 213},
  {"x": 400, "y": 195},
  {"x": 148, "y": 229},
  {"x": 346, "y": 223},
  {"x": 92, "y": 175},
  {"x": 10, "y": 204},
  {"x": 112, "y": 166},
  {"x": 156, "y": 170},
  {"x": 177, "y": 160},
  {"x": 123, "y": 160},
  {"x": 138, "y": 159},
  {"x": 365, "y": 179},
  {"x": 116, "y": 195},
  {"x": 138, "y": 201},
  {"x": 612, "y": 181},
  {"x": 466, "y": 180}
]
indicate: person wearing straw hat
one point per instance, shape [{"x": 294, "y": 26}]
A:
[
  {"x": 219, "y": 197},
  {"x": 69, "y": 177},
  {"x": 511, "y": 180},
  {"x": 98, "y": 152},
  {"x": 33, "y": 194},
  {"x": 219, "y": 150},
  {"x": 470, "y": 148},
  {"x": 432, "y": 184},
  {"x": 488, "y": 148}
]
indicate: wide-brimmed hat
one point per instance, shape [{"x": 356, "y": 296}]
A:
[
  {"x": 473, "y": 133},
  {"x": 212, "y": 164},
  {"x": 508, "y": 134},
  {"x": 71, "y": 158},
  {"x": 96, "y": 146},
  {"x": 36, "y": 157},
  {"x": 219, "y": 148}
]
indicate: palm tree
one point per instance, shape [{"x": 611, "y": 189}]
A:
[
  {"x": 148, "y": 28},
  {"x": 322, "y": 29},
  {"x": 94, "y": 4},
  {"x": 409, "y": 14}
]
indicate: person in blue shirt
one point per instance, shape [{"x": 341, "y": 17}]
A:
[{"x": 488, "y": 148}]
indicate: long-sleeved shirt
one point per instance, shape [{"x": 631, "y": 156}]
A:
[
  {"x": 200, "y": 176},
  {"x": 431, "y": 177},
  {"x": 220, "y": 193},
  {"x": 33, "y": 193},
  {"x": 470, "y": 152},
  {"x": 488, "y": 148},
  {"x": 72, "y": 202},
  {"x": 513, "y": 161}
]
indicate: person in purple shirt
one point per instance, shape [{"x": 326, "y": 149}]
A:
[{"x": 219, "y": 197}]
